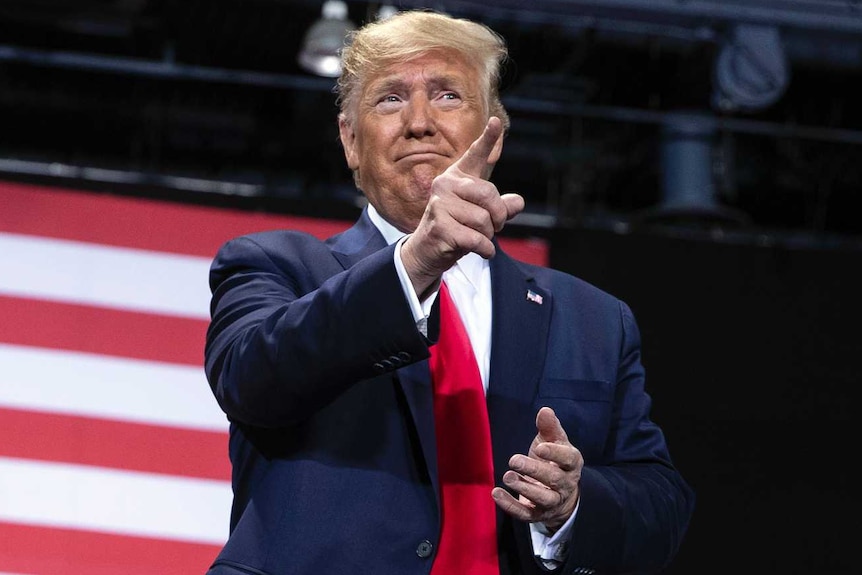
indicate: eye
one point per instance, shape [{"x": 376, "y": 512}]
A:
[
  {"x": 388, "y": 99},
  {"x": 448, "y": 99},
  {"x": 389, "y": 103}
]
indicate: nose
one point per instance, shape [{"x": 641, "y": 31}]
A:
[{"x": 419, "y": 118}]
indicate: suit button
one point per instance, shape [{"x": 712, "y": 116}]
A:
[
  {"x": 425, "y": 549},
  {"x": 404, "y": 356},
  {"x": 387, "y": 365},
  {"x": 379, "y": 367}
]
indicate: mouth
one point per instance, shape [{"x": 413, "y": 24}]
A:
[{"x": 421, "y": 156}]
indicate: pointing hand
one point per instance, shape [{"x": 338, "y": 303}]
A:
[{"x": 464, "y": 212}]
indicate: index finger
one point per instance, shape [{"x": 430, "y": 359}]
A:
[{"x": 475, "y": 159}]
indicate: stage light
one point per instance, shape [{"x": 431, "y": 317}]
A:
[
  {"x": 751, "y": 71},
  {"x": 321, "y": 47},
  {"x": 385, "y": 11}
]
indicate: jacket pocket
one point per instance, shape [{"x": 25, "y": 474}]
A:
[{"x": 584, "y": 410}]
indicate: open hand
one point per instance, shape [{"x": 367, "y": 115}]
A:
[{"x": 546, "y": 479}]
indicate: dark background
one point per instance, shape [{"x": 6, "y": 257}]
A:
[
  {"x": 204, "y": 100},
  {"x": 751, "y": 354},
  {"x": 741, "y": 264}
]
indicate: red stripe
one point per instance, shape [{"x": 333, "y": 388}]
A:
[
  {"x": 104, "y": 331},
  {"x": 532, "y": 251},
  {"x": 164, "y": 226},
  {"x": 114, "y": 444},
  {"x": 137, "y": 223},
  {"x": 53, "y": 551}
]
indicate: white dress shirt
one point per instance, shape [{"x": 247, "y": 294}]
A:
[{"x": 469, "y": 282}]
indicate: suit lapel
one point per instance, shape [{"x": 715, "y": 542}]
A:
[
  {"x": 519, "y": 337},
  {"x": 415, "y": 380},
  {"x": 357, "y": 242}
]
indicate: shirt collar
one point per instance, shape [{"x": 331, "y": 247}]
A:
[{"x": 390, "y": 233}]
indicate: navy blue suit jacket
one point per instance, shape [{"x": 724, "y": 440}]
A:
[{"x": 314, "y": 356}]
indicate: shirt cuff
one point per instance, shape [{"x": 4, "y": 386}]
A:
[
  {"x": 552, "y": 549},
  {"x": 420, "y": 310}
]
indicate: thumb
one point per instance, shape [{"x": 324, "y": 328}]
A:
[
  {"x": 474, "y": 162},
  {"x": 549, "y": 427}
]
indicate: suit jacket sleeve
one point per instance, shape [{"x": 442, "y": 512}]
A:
[
  {"x": 635, "y": 506},
  {"x": 292, "y": 326}
]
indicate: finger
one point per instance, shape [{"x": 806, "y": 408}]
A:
[
  {"x": 527, "y": 465},
  {"x": 549, "y": 427},
  {"x": 514, "y": 205},
  {"x": 506, "y": 207},
  {"x": 540, "y": 495},
  {"x": 565, "y": 456},
  {"x": 482, "y": 207},
  {"x": 519, "y": 509},
  {"x": 471, "y": 240},
  {"x": 546, "y": 474},
  {"x": 475, "y": 159}
]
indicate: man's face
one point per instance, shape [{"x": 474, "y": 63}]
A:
[{"x": 413, "y": 120}]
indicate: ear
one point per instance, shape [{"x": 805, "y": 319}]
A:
[
  {"x": 348, "y": 142},
  {"x": 495, "y": 154},
  {"x": 497, "y": 151}
]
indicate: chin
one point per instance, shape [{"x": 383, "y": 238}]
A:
[{"x": 421, "y": 179}]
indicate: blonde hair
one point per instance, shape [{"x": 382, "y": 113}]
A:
[{"x": 412, "y": 33}]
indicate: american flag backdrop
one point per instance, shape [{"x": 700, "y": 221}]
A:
[{"x": 113, "y": 452}]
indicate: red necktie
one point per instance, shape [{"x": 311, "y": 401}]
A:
[{"x": 468, "y": 542}]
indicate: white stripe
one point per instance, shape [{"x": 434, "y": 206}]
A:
[
  {"x": 94, "y": 274},
  {"x": 124, "y": 502},
  {"x": 107, "y": 387}
]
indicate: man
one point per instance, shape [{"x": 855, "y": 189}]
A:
[{"x": 318, "y": 352}]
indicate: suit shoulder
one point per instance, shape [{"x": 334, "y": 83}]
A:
[
  {"x": 287, "y": 252},
  {"x": 269, "y": 244},
  {"x": 269, "y": 239},
  {"x": 584, "y": 303},
  {"x": 556, "y": 280}
]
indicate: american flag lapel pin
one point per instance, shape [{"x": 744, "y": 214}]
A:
[{"x": 534, "y": 297}]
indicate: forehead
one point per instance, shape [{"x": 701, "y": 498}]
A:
[{"x": 437, "y": 66}]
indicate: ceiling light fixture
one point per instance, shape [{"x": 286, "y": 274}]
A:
[
  {"x": 385, "y": 11},
  {"x": 321, "y": 47},
  {"x": 751, "y": 71}
]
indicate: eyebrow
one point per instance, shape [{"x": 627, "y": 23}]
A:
[{"x": 396, "y": 84}]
